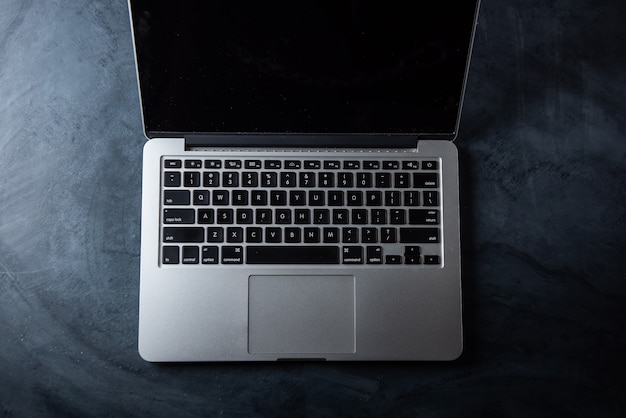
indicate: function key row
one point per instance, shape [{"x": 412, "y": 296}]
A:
[{"x": 304, "y": 164}]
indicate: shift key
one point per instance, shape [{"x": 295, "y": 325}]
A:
[
  {"x": 191, "y": 234},
  {"x": 419, "y": 235}
]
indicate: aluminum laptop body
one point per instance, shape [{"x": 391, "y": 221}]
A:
[{"x": 243, "y": 104}]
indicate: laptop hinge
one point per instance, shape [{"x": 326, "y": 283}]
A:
[{"x": 301, "y": 141}]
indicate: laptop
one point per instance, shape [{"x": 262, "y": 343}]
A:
[{"x": 300, "y": 196}]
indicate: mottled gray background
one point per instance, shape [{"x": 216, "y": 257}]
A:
[{"x": 542, "y": 146}]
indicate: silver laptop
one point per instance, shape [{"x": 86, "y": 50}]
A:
[{"x": 300, "y": 185}]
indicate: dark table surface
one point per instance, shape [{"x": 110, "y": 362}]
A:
[{"x": 543, "y": 150}]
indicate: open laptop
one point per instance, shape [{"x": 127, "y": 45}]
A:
[{"x": 300, "y": 185}]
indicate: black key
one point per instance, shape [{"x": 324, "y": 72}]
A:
[
  {"x": 230, "y": 179},
  {"x": 332, "y": 165},
  {"x": 340, "y": 216},
  {"x": 392, "y": 198},
  {"x": 432, "y": 259},
  {"x": 351, "y": 165},
  {"x": 411, "y": 198},
  {"x": 393, "y": 259},
  {"x": 352, "y": 254},
  {"x": 412, "y": 250},
  {"x": 293, "y": 164},
  {"x": 429, "y": 165},
  {"x": 252, "y": 164},
  {"x": 363, "y": 180},
  {"x": 240, "y": 197},
  {"x": 297, "y": 197},
  {"x": 259, "y": 197},
  {"x": 419, "y": 235},
  {"x": 211, "y": 179},
  {"x": 178, "y": 216},
  {"x": 373, "y": 198},
  {"x": 355, "y": 198},
  {"x": 193, "y": 164},
  {"x": 371, "y": 165},
  {"x": 335, "y": 198},
  {"x": 191, "y": 179},
  {"x": 412, "y": 259},
  {"x": 312, "y": 164},
  {"x": 200, "y": 197},
  {"x": 269, "y": 179},
  {"x": 244, "y": 216},
  {"x": 293, "y": 235},
  {"x": 186, "y": 234},
  {"x": 254, "y": 234},
  {"x": 212, "y": 164},
  {"x": 383, "y": 180},
  {"x": 423, "y": 217},
  {"x": 250, "y": 179},
  {"x": 391, "y": 165},
  {"x": 170, "y": 255},
  {"x": 191, "y": 255},
  {"x": 316, "y": 198},
  {"x": 263, "y": 216},
  {"x": 284, "y": 254},
  {"x": 273, "y": 235},
  {"x": 331, "y": 235},
  {"x": 232, "y": 255},
  {"x": 388, "y": 235},
  {"x": 345, "y": 180},
  {"x": 410, "y": 165},
  {"x": 272, "y": 164},
  {"x": 302, "y": 216},
  {"x": 220, "y": 197},
  {"x": 374, "y": 255},
  {"x": 431, "y": 198},
  {"x": 172, "y": 164},
  {"x": 369, "y": 235},
  {"x": 359, "y": 216},
  {"x": 206, "y": 216},
  {"x": 350, "y": 235},
  {"x": 397, "y": 216},
  {"x": 401, "y": 180},
  {"x": 234, "y": 234},
  {"x": 278, "y": 198},
  {"x": 232, "y": 164},
  {"x": 288, "y": 179},
  {"x": 209, "y": 255},
  {"x": 425, "y": 180},
  {"x": 321, "y": 216},
  {"x": 326, "y": 180},
  {"x": 215, "y": 234},
  {"x": 379, "y": 216},
  {"x": 307, "y": 179},
  {"x": 171, "y": 179},
  {"x": 283, "y": 216},
  {"x": 225, "y": 216},
  {"x": 311, "y": 235}
]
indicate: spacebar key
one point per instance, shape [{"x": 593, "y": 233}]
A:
[{"x": 285, "y": 254}]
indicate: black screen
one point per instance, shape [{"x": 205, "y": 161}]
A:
[{"x": 302, "y": 66}]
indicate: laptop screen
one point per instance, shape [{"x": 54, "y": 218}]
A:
[{"x": 393, "y": 67}]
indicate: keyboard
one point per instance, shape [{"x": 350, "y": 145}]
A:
[{"x": 281, "y": 211}]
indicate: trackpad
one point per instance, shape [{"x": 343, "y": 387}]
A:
[{"x": 301, "y": 314}]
